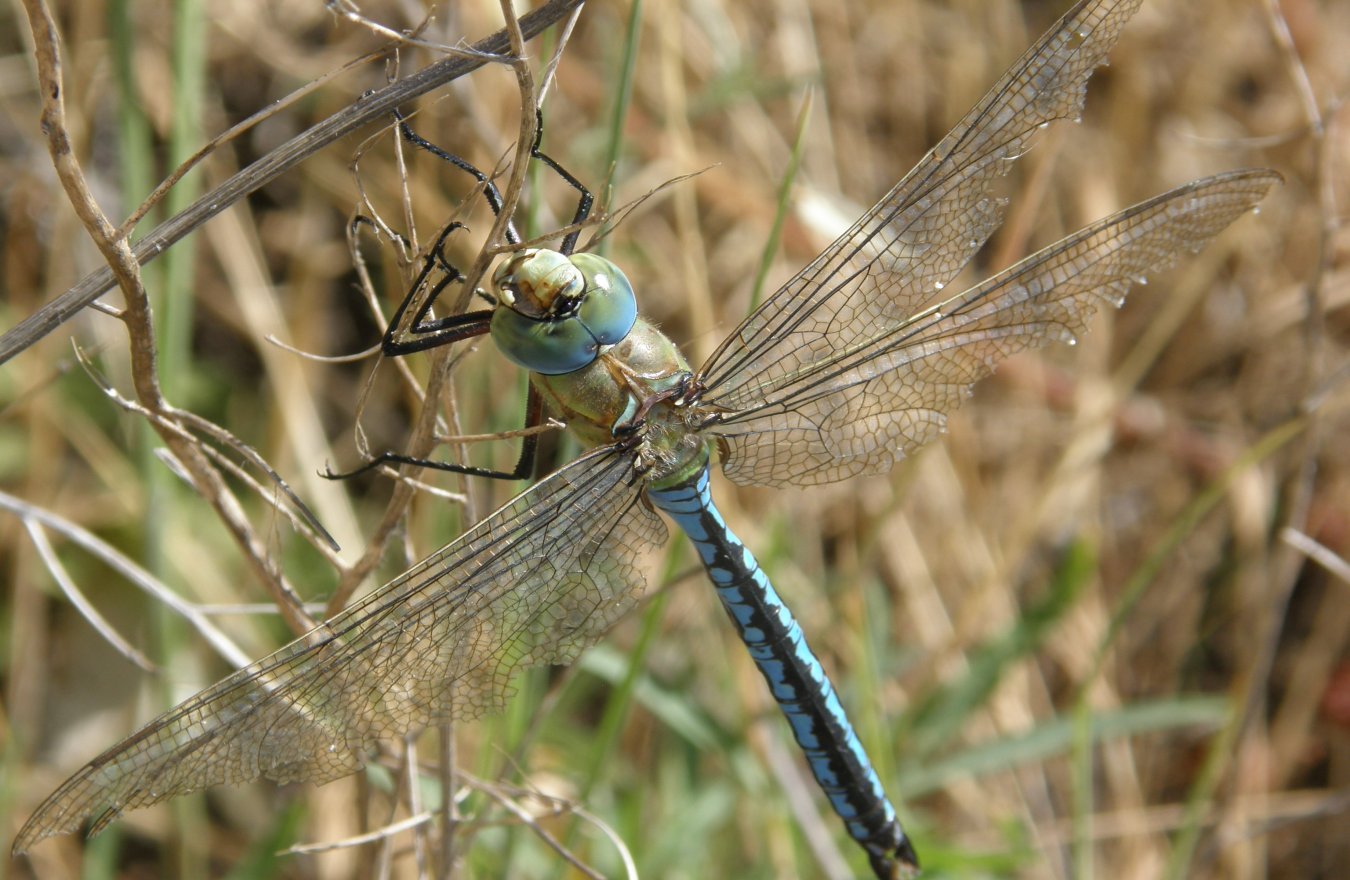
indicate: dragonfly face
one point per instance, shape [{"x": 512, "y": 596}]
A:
[{"x": 557, "y": 312}]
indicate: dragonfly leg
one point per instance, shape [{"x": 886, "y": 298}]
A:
[
  {"x": 529, "y": 447},
  {"x": 412, "y": 333},
  {"x": 585, "y": 199},
  {"x": 490, "y": 191},
  {"x": 408, "y": 333}
]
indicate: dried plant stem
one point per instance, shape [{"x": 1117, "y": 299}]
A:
[{"x": 125, "y": 268}]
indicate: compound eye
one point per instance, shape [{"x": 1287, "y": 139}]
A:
[
  {"x": 608, "y": 308},
  {"x": 548, "y": 346}
]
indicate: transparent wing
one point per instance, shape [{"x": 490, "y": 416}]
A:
[
  {"x": 869, "y": 399},
  {"x": 537, "y": 582},
  {"x": 919, "y": 236}
]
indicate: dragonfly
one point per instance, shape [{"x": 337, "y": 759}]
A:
[{"x": 847, "y": 369}]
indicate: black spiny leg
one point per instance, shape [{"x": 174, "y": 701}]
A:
[
  {"x": 408, "y": 333},
  {"x": 490, "y": 191},
  {"x": 585, "y": 200},
  {"x": 534, "y": 413}
]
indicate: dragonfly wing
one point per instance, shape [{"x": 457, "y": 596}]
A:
[
  {"x": 537, "y": 582},
  {"x": 918, "y": 237},
  {"x": 866, "y": 401}
]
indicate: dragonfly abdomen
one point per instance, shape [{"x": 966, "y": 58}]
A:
[{"x": 795, "y": 677}]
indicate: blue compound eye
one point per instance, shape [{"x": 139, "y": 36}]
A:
[
  {"x": 558, "y": 311},
  {"x": 547, "y": 346},
  {"x": 608, "y": 307}
]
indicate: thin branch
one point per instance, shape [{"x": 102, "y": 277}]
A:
[
  {"x": 549, "y": 840},
  {"x": 123, "y": 265},
  {"x": 302, "y": 519},
  {"x": 77, "y": 598},
  {"x": 197, "y": 617},
  {"x": 359, "y": 839},
  {"x": 1318, "y": 552}
]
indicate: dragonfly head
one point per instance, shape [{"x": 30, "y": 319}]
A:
[
  {"x": 539, "y": 284},
  {"x": 557, "y": 311}
]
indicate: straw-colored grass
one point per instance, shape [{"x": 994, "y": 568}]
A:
[{"x": 1082, "y": 636}]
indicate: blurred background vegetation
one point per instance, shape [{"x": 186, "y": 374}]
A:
[{"x": 1098, "y": 630}]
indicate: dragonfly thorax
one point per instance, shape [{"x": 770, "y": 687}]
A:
[{"x": 557, "y": 311}]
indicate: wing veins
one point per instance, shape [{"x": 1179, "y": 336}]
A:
[
  {"x": 295, "y": 684},
  {"x": 952, "y": 168}
]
